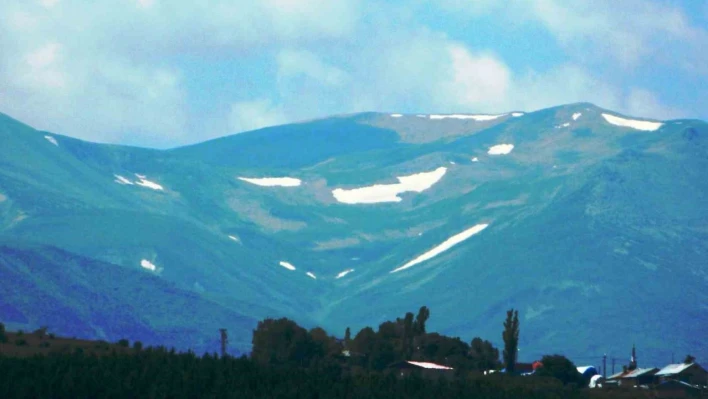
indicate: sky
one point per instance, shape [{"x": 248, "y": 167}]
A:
[{"x": 160, "y": 74}]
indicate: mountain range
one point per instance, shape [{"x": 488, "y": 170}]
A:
[{"x": 592, "y": 223}]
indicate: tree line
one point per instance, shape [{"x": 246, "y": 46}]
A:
[{"x": 289, "y": 361}]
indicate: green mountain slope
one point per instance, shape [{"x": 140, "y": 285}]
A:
[{"x": 595, "y": 222}]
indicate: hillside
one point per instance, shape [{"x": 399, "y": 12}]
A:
[{"x": 590, "y": 222}]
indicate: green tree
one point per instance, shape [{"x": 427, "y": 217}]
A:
[
  {"x": 3, "y": 335},
  {"x": 281, "y": 342},
  {"x": 561, "y": 368},
  {"x": 347, "y": 337},
  {"x": 483, "y": 355},
  {"x": 421, "y": 319},
  {"x": 511, "y": 339},
  {"x": 408, "y": 334}
]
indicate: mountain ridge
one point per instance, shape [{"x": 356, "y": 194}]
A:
[{"x": 571, "y": 190}]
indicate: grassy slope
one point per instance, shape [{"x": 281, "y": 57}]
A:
[{"x": 563, "y": 206}]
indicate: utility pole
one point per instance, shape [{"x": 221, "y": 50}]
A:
[
  {"x": 224, "y": 340},
  {"x": 604, "y": 365}
]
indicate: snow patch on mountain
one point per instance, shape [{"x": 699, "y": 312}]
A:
[
  {"x": 147, "y": 183},
  {"x": 122, "y": 180},
  {"x": 311, "y": 275},
  {"x": 148, "y": 265},
  {"x": 576, "y": 116},
  {"x": 500, "y": 149},
  {"x": 287, "y": 265},
  {"x": 517, "y": 114},
  {"x": 273, "y": 181},
  {"x": 447, "y": 244},
  {"x": 475, "y": 159},
  {"x": 396, "y": 115},
  {"x": 633, "y": 123},
  {"x": 344, "y": 273},
  {"x": 234, "y": 238},
  {"x": 479, "y": 118},
  {"x": 52, "y": 140},
  {"x": 389, "y": 192}
]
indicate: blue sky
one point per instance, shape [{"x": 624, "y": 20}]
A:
[{"x": 161, "y": 74}]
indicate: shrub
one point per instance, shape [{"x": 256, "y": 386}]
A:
[
  {"x": 41, "y": 331},
  {"x": 3, "y": 336},
  {"x": 124, "y": 343},
  {"x": 103, "y": 345},
  {"x": 21, "y": 342},
  {"x": 137, "y": 345}
]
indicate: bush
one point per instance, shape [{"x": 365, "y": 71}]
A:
[
  {"x": 21, "y": 342},
  {"x": 41, "y": 331},
  {"x": 137, "y": 345},
  {"x": 3, "y": 336},
  {"x": 124, "y": 343},
  {"x": 103, "y": 345}
]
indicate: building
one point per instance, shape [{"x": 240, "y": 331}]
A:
[
  {"x": 425, "y": 369},
  {"x": 639, "y": 377},
  {"x": 691, "y": 373},
  {"x": 672, "y": 389},
  {"x": 587, "y": 371}
]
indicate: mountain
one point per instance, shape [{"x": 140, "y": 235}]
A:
[{"x": 591, "y": 223}]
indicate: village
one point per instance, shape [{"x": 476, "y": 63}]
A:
[{"x": 678, "y": 380}]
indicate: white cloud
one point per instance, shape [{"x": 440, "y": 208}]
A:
[
  {"x": 630, "y": 32},
  {"x": 254, "y": 114},
  {"x": 297, "y": 63},
  {"x": 477, "y": 80},
  {"x": 643, "y": 102},
  {"x": 49, "y": 3},
  {"x": 106, "y": 73}
]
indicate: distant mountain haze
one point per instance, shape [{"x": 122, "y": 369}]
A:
[{"x": 591, "y": 223}]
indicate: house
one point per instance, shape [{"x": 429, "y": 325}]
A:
[
  {"x": 425, "y": 369},
  {"x": 614, "y": 379},
  {"x": 691, "y": 373},
  {"x": 587, "y": 371},
  {"x": 672, "y": 389},
  {"x": 639, "y": 377},
  {"x": 525, "y": 368}
]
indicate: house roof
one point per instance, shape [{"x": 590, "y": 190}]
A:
[
  {"x": 584, "y": 369},
  {"x": 428, "y": 365},
  {"x": 640, "y": 372},
  {"x": 672, "y": 369},
  {"x": 617, "y": 375}
]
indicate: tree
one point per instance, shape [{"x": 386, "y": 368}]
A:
[
  {"x": 408, "y": 334},
  {"x": 689, "y": 359},
  {"x": 3, "y": 336},
  {"x": 483, "y": 355},
  {"x": 347, "y": 337},
  {"x": 280, "y": 342},
  {"x": 511, "y": 339},
  {"x": 561, "y": 368},
  {"x": 421, "y": 319}
]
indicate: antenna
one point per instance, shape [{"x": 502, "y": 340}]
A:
[{"x": 224, "y": 341}]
